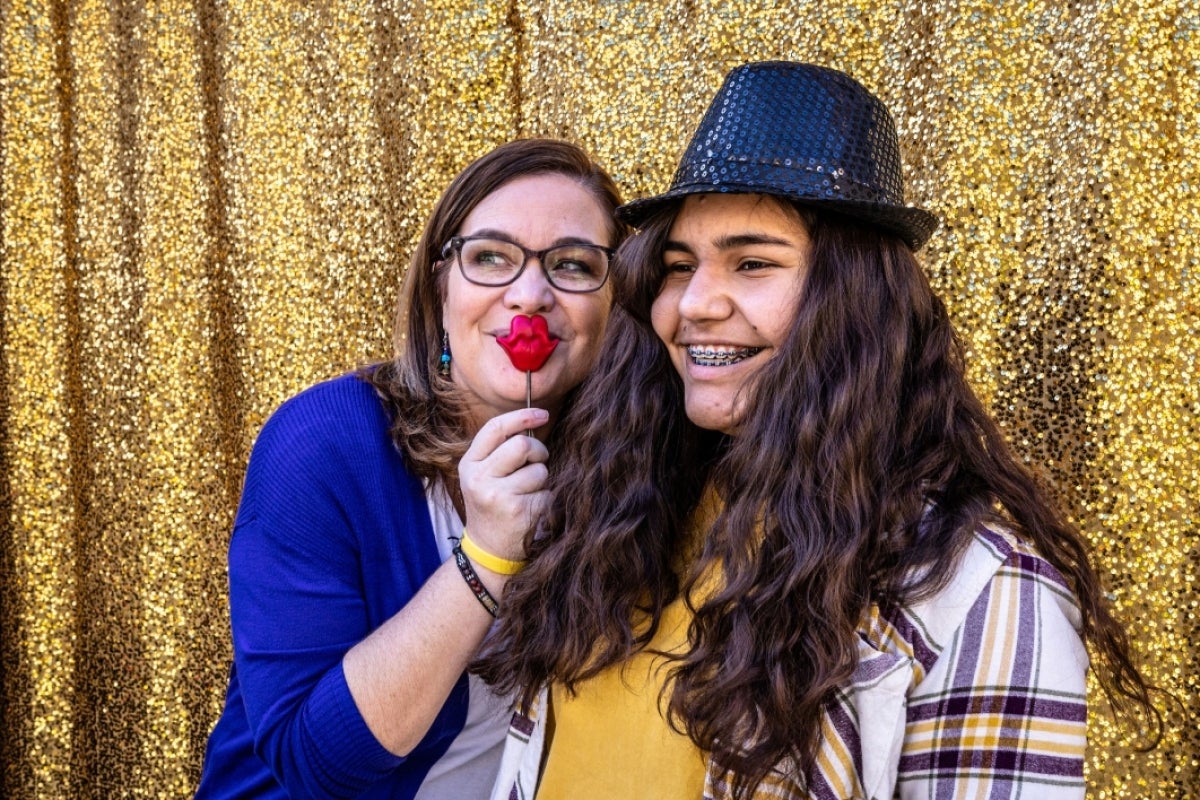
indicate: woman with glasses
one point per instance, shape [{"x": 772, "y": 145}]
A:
[{"x": 383, "y": 512}]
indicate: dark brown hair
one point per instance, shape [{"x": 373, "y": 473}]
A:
[
  {"x": 863, "y": 458},
  {"x": 428, "y": 414}
]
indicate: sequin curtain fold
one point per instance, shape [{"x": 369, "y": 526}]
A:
[{"x": 206, "y": 206}]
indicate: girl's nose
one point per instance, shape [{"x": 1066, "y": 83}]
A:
[{"x": 705, "y": 296}]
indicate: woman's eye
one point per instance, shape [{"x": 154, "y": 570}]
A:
[
  {"x": 679, "y": 266},
  {"x": 571, "y": 265},
  {"x": 490, "y": 258},
  {"x": 752, "y": 264}
]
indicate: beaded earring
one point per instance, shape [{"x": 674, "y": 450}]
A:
[{"x": 444, "y": 359}]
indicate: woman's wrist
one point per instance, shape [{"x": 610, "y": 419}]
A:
[
  {"x": 481, "y": 557},
  {"x": 481, "y": 591}
]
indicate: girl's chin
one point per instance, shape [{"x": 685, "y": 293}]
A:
[{"x": 718, "y": 418}]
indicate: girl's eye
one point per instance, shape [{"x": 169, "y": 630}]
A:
[
  {"x": 679, "y": 266},
  {"x": 752, "y": 264}
]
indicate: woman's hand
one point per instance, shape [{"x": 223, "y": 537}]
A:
[{"x": 503, "y": 478}]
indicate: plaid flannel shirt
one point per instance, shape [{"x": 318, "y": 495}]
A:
[{"x": 977, "y": 692}]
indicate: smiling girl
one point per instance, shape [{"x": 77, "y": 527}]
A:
[{"x": 789, "y": 553}]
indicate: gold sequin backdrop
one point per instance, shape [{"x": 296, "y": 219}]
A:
[{"x": 207, "y": 205}]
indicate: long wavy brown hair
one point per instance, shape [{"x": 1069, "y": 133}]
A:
[
  {"x": 863, "y": 459},
  {"x": 429, "y": 416}
]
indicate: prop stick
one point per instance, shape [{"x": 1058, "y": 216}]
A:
[{"x": 528, "y": 345}]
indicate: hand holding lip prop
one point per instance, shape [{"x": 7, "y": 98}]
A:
[{"x": 528, "y": 345}]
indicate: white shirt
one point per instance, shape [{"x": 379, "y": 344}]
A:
[{"x": 469, "y": 766}]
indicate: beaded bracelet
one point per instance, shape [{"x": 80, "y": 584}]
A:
[
  {"x": 498, "y": 565},
  {"x": 481, "y": 593}
]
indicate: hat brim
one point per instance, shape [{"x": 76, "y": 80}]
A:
[{"x": 913, "y": 225}]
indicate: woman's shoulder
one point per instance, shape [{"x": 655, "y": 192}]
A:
[
  {"x": 327, "y": 426},
  {"x": 321, "y": 400},
  {"x": 343, "y": 406},
  {"x": 324, "y": 450}
]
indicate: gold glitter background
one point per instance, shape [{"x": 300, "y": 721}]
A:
[{"x": 206, "y": 206}]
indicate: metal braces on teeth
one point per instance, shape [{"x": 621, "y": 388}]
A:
[
  {"x": 709, "y": 352},
  {"x": 711, "y": 357}
]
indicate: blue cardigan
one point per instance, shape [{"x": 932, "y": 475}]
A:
[{"x": 332, "y": 538}]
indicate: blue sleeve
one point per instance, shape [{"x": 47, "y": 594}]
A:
[{"x": 298, "y": 600}]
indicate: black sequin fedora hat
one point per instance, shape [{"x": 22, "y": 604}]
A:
[{"x": 799, "y": 131}]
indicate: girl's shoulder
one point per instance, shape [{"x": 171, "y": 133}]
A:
[{"x": 999, "y": 577}]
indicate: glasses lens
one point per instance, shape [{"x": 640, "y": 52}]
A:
[
  {"x": 576, "y": 267},
  {"x": 491, "y": 262}
]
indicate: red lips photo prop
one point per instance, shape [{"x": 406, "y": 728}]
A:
[{"x": 528, "y": 343}]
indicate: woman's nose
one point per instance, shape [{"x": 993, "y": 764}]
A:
[{"x": 531, "y": 291}]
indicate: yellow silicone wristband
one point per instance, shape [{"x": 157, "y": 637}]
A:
[{"x": 498, "y": 565}]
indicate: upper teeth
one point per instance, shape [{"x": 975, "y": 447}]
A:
[{"x": 710, "y": 356}]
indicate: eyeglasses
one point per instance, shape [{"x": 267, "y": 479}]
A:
[{"x": 497, "y": 262}]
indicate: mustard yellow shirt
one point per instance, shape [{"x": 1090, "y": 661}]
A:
[{"x": 612, "y": 738}]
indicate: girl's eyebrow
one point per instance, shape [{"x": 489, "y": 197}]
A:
[
  {"x": 743, "y": 239},
  {"x": 730, "y": 242}
]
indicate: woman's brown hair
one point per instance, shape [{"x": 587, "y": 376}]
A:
[
  {"x": 428, "y": 416},
  {"x": 863, "y": 459}
]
